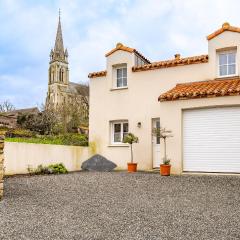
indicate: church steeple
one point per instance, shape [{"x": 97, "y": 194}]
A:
[
  {"x": 58, "y": 53},
  {"x": 58, "y": 72}
]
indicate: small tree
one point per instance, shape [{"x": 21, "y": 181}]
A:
[
  {"x": 130, "y": 138},
  {"x": 164, "y": 134}
]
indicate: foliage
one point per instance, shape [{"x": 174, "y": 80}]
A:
[
  {"x": 66, "y": 117},
  {"x": 40, "y": 170},
  {"x": 6, "y": 106},
  {"x": 57, "y": 168},
  {"x": 75, "y": 139},
  {"x": 130, "y": 138},
  {"x": 166, "y": 161},
  {"x": 71, "y": 115},
  {"x": 42, "y": 123},
  {"x": 11, "y": 133},
  {"x": 67, "y": 139},
  {"x": 164, "y": 134},
  {"x": 4, "y": 128}
]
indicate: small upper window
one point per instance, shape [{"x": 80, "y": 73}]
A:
[
  {"x": 121, "y": 77},
  {"x": 227, "y": 63}
]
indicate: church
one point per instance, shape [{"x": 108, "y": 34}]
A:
[{"x": 60, "y": 90}]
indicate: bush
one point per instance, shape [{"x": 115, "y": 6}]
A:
[
  {"x": 57, "y": 168},
  {"x": 75, "y": 139},
  {"x": 40, "y": 170},
  {"x": 19, "y": 133},
  {"x": 68, "y": 139}
]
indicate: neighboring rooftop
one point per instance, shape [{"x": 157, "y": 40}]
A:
[
  {"x": 9, "y": 119},
  {"x": 210, "y": 88},
  {"x": 14, "y": 113}
]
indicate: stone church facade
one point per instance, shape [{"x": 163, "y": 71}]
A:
[{"x": 60, "y": 89}]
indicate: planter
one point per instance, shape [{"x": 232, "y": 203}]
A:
[
  {"x": 132, "y": 167},
  {"x": 165, "y": 169}
]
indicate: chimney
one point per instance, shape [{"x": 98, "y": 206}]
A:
[{"x": 177, "y": 56}]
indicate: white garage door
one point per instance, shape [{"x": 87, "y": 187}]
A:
[{"x": 211, "y": 140}]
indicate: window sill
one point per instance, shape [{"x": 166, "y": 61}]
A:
[
  {"x": 228, "y": 76},
  {"x": 120, "y": 88},
  {"x": 118, "y": 145}
]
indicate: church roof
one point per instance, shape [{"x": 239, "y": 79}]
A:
[{"x": 75, "y": 89}]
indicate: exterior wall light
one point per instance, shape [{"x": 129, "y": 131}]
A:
[{"x": 139, "y": 124}]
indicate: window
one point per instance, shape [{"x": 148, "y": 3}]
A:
[
  {"x": 227, "y": 63},
  {"x": 121, "y": 77},
  {"x": 119, "y": 131},
  {"x": 61, "y": 75}
]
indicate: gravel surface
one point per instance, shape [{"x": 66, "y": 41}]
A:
[{"x": 115, "y": 205}]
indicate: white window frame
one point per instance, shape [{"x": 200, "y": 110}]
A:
[
  {"x": 218, "y": 64},
  {"x": 112, "y": 123},
  {"x": 115, "y": 77}
]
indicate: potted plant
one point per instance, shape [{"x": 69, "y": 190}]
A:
[
  {"x": 130, "y": 138},
  {"x": 165, "y": 167}
]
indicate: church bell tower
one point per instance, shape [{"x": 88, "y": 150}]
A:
[{"x": 58, "y": 73}]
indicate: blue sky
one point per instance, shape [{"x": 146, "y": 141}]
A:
[{"x": 157, "y": 28}]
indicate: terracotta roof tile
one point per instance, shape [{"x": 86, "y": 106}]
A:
[
  {"x": 120, "y": 46},
  {"x": 225, "y": 27},
  {"x": 211, "y": 88},
  {"x": 172, "y": 63},
  {"x": 97, "y": 74}
]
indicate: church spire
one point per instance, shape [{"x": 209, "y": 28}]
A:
[
  {"x": 59, "y": 40},
  {"x": 58, "y": 52}
]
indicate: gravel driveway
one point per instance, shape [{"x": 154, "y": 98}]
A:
[{"x": 111, "y": 206}]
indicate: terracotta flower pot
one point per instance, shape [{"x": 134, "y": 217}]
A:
[
  {"x": 132, "y": 167},
  {"x": 165, "y": 169}
]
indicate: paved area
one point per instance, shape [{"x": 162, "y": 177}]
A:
[{"x": 118, "y": 206}]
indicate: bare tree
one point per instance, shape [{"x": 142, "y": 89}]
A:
[
  {"x": 6, "y": 106},
  {"x": 83, "y": 90}
]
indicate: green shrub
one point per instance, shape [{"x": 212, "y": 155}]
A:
[
  {"x": 4, "y": 128},
  {"x": 67, "y": 139},
  {"x": 20, "y": 133},
  {"x": 57, "y": 168},
  {"x": 41, "y": 170},
  {"x": 75, "y": 139}
]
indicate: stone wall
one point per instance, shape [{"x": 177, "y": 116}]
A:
[{"x": 1, "y": 164}]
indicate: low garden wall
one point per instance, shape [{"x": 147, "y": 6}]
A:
[
  {"x": 21, "y": 156},
  {"x": 1, "y": 164}
]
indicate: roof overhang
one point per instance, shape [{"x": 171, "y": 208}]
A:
[{"x": 204, "y": 89}]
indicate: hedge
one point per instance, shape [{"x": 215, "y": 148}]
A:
[{"x": 67, "y": 139}]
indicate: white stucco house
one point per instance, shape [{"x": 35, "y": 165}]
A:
[{"x": 195, "y": 97}]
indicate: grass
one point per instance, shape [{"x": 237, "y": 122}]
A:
[{"x": 68, "y": 139}]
